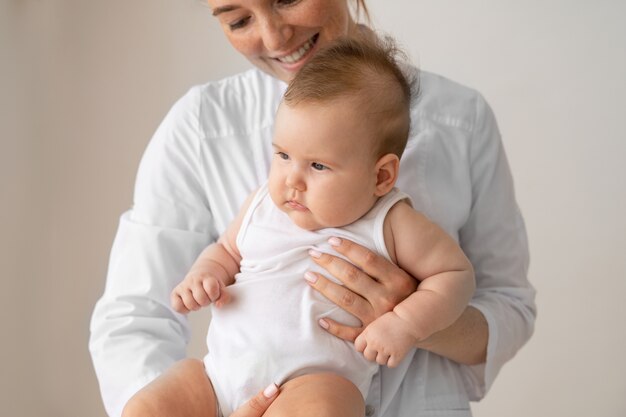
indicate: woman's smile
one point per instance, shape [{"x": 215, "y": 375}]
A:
[
  {"x": 298, "y": 55},
  {"x": 280, "y": 37}
]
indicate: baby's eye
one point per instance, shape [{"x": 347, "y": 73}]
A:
[
  {"x": 282, "y": 155},
  {"x": 318, "y": 167},
  {"x": 238, "y": 24}
]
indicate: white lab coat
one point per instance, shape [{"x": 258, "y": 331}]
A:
[{"x": 214, "y": 148}]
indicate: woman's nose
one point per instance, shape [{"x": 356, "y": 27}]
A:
[{"x": 275, "y": 33}]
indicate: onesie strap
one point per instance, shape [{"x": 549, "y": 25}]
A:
[
  {"x": 256, "y": 200},
  {"x": 382, "y": 207}
]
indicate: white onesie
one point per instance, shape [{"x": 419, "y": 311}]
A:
[{"x": 269, "y": 332}]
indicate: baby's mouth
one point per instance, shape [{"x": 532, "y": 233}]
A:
[{"x": 296, "y": 205}]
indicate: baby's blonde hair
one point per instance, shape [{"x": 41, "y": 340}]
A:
[{"x": 368, "y": 69}]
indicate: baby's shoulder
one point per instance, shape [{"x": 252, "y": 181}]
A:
[
  {"x": 401, "y": 219},
  {"x": 403, "y": 214}
]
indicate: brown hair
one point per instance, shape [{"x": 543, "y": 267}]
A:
[{"x": 366, "y": 68}]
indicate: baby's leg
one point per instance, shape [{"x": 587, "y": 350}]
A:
[
  {"x": 184, "y": 390},
  {"x": 318, "y": 395}
]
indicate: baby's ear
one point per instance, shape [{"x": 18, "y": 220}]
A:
[{"x": 387, "y": 170}]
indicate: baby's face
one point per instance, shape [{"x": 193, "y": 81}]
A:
[{"x": 323, "y": 171}]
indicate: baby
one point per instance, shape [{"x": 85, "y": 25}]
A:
[{"x": 339, "y": 135}]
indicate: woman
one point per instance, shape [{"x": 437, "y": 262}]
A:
[{"x": 213, "y": 148}]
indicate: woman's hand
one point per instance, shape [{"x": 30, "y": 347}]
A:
[
  {"x": 257, "y": 405},
  {"x": 372, "y": 286}
]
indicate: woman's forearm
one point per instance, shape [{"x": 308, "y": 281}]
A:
[{"x": 464, "y": 342}]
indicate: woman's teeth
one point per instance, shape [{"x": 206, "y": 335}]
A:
[{"x": 296, "y": 56}]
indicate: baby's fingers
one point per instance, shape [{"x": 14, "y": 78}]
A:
[
  {"x": 182, "y": 300},
  {"x": 200, "y": 295},
  {"x": 382, "y": 358},
  {"x": 370, "y": 353},
  {"x": 360, "y": 344},
  {"x": 177, "y": 303},
  {"x": 212, "y": 289},
  {"x": 224, "y": 298},
  {"x": 394, "y": 361},
  {"x": 188, "y": 299}
]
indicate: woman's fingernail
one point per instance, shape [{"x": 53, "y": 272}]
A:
[
  {"x": 334, "y": 241},
  {"x": 310, "y": 276},
  {"x": 323, "y": 323},
  {"x": 270, "y": 391},
  {"x": 314, "y": 253}
]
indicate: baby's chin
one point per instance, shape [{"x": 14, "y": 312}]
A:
[
  {"x": 310, "y": 223},
  {"x": 305, "y": 223}
]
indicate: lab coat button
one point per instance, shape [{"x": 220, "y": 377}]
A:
[{"x": 369, "y": 410}]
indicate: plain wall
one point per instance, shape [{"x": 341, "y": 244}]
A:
[{"x": 84, "y": 83}]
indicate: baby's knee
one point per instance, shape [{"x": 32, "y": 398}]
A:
[
  {"x": 138, "y": 406},
  {"x": 342, "y": 397},
  {"x": 319, "y": 395},
  {"x": 183, "y": 390},
  {"x": 331, "y": 383}
]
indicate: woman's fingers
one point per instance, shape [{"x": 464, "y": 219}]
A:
[
  {"x": 257, "y": 405},
  {"x": 370, "y": 262},
  {"x": 350, "y": 275},
  {"x": 395, "y": 283},
  {"x": 339, "y": 330},
  {"x": 342, "y": 296},
  {"x": 372, "y": 285}
]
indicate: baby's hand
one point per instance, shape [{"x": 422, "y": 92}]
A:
[
  {"x": 386, "y": 340},
  {"x": 198, "y": 289}
]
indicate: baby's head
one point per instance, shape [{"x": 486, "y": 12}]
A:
[
  {"x": 364, "y": 75},
  {"x": 340, "y": 132}
]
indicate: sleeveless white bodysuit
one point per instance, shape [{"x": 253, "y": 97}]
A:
[{"x": 269, "y": 332}]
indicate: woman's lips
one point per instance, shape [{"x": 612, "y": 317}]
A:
[
  {"x": 295, "y": 60},
  {"x": 298, "y": 54}
]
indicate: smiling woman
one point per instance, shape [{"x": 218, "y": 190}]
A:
[
  {"x": 214, "y": 148},
  {"x": 280, "y": 36}
]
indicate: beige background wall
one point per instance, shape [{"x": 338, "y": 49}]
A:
[{"x": 84, "y": 83}]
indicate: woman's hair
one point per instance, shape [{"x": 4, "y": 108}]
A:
[
  {"x": 367, "y": 69},
  {"x": 361, "y": 8}
]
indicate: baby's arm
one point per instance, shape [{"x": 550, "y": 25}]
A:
[
  {"x": 214, "y": 269},
  {"x": 446, "y": 277}
]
